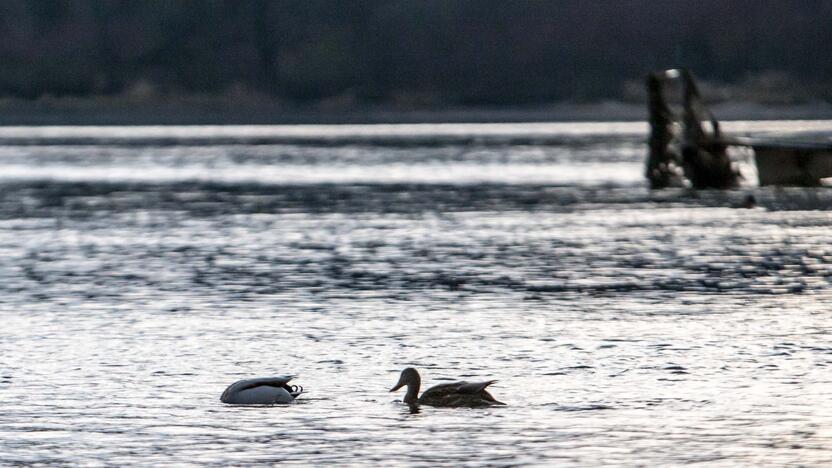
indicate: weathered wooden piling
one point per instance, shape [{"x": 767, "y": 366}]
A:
[
  {"x": 704, "y": 161},
  {"x": 663, "y": 162}
]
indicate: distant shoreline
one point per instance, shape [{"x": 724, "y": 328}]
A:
[{"x": 195, "y": 112}]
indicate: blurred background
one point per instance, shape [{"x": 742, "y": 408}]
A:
[{"x": 348, "y": 56}]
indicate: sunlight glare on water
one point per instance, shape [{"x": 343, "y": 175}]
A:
[{"x": 146, "y": 268}]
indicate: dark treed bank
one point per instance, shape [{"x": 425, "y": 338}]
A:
[{"x": 404, "y": 54}]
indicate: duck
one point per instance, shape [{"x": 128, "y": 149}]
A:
[
  {"x": 449, "y": 395},
  {"x": 262, "y": 391}
]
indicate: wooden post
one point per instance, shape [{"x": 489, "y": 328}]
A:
[
  {"x": 663, "y": 162},
  {"x": 704, "y": 156},
  {"x": 703, "y": 159}
]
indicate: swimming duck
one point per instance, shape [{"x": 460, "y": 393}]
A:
[
  {"x": 261, "y": 391},
  {"x": 457, "y": 394}
]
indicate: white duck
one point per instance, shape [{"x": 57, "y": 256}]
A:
[{"x": 262, "y": 391}]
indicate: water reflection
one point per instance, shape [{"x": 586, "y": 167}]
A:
[{"x": 625, "y": 327}]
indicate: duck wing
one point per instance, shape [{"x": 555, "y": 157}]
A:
[{"x": 473, "y": 387}]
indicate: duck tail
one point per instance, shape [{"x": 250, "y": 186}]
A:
[{"x": 491, "y": 400}]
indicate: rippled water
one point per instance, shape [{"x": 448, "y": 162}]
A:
[{"x": 146, "y": 268}]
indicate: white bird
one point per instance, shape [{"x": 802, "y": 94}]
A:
[{"x": 262, "y": 391}]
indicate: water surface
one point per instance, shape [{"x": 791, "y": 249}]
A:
[{"x": 146, "y": 268}]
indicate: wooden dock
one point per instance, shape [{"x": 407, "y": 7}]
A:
[{"x": 788, "y": 162}]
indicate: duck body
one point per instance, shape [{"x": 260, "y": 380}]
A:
[
  {"x": 261, "y": 391},
  {"x": 459, "y": 394},
  {"x": 449, "y": 395}
]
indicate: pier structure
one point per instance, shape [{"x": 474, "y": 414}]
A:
[{"x": 687, "y": 147}]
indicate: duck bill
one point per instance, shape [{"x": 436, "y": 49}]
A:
[{"x": 397, "y": 386}]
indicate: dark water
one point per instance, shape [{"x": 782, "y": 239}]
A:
[{"x": 146, "y": 268}]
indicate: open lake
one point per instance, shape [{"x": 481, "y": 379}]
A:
[{"x": 143, "y": 269}]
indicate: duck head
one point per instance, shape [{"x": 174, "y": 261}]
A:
[{"x": 409, "y": 377}]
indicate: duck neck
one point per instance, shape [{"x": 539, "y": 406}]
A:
[{"x": 412, "y": 395}]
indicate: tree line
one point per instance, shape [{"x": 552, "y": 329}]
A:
[{"x": 424, "y": 53}]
